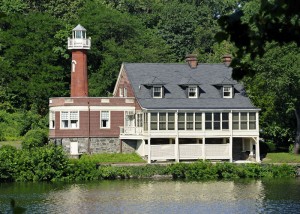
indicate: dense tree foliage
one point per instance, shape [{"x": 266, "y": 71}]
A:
[
  {"x": 35, "y": 62},
  {"x": 268, "y": 59}
]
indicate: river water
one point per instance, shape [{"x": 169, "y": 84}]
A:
[{"x": 155, "y": 196}]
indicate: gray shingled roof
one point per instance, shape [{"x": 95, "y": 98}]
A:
[{"x": 208, "y": 77}]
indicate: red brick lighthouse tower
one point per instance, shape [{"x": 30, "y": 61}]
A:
[{"x": 79, "y": 45}]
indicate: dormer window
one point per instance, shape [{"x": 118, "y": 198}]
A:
[
  {"x": 227, "y": 91},
  {"x": 157, "y": 91},
  {"x": 192, "y": 92}
]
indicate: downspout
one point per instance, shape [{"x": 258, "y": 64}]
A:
[{"x": 89, "y": 128}]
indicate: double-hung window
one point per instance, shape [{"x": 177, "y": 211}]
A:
[
  {"x": 192, "y": 92},
  {"x": 157, "y": 92},
  {"x": 162, "y": 121},
  {"x": 52, "y": 120},
  {"x": 69, "y": 119},
  {"x": 105, "y": 119},
  {"x": 227, "y": 91},
  {"x": 171, "y": 121}
]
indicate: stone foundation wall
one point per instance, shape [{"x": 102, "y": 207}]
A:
[{"x": 97, "y": 145}]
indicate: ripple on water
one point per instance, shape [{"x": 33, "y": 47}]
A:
[{"x": 146, "y": 196}]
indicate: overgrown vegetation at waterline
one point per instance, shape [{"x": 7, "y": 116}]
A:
[{"x": 50, "y": 163}]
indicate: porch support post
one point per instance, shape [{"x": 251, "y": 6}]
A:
[
  {"x": 177, "y": 149},
  {"x": 230, "y": 138},
  {"x": 257, "y": 150},
  {"x": 149, "y": 150},
  {"x": 230, "y": 148},
  {"x": 251, "y": 155},
  {"x": 149, "y": 138},
  {"x": 203, "y": 148}
]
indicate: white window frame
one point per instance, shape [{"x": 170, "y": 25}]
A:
[
  {"x": 125, "y": 92},
  {"x": 227, "y": 89},
  {"x": 121, "y": 92},
  {"x": 69, "y": 118},
  {"x": 52, "y": 120},
  {"x": 108, "y": 120},
  {"x": 247, "y": 121},
  {"x": 160, "y": 91},
  {"x": 191, "y": 90}
]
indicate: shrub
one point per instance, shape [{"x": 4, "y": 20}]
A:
[
  {"x": 35, "y": 138},
  {"x": 271, "y": 146},
  {"x": 227, "y": 170},
  {"x": 291, "y": 149},
  {"x": 178, "y": 170},
  {"x": 7, "y": 162},
  {"x": 147, "y": 171},
  {"x": 201, "y": 170},
  {"x": 46, "y": 163}
]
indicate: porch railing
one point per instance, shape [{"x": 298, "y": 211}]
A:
[{"x": 131, "y": 130}]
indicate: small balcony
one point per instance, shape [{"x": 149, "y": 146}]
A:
[{"x": 131, "y": 130}]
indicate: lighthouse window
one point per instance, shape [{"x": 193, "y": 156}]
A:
[
  {"x": 78, "y": 34},
  {"x": 73, "y": 65}
]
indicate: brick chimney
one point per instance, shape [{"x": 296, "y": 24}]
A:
[
  {"x": 227, "y": 58},
  {"x": 191, "y": 59}
]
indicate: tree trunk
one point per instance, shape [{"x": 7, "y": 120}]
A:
[{"x": 297, "y": 140}]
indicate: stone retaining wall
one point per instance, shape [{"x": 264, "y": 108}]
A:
[{"x": 97, "y": 145}]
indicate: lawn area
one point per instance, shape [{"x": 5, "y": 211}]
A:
[
  {"x": 281, "y": 157},
  {"x": 112, "y": 158},
  {"x": 16, "y": 143}
]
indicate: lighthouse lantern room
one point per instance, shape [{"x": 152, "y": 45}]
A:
[{"x": 79, "y": 39}]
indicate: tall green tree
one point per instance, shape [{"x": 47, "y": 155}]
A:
[
  {"x": 31, "y": 69},
  {"x": 117, "y": 37},
  {"x": 252, "y": 29}
]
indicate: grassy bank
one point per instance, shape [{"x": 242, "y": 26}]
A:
[
  {"x": 112, "y": 158},
  {"x": 281, "y": 157},
  {"x": 15, "y": 143}
]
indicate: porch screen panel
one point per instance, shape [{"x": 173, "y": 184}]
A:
[
  {"x": 217, "y": 121},
  {"x": 154, "y": 121},
  {"x": 244, "y": 125},
  {"x": 252, "y": 120},
  {"x": 162, "y": 121},
  {"x": 145, "y": 121},
  {"x": 235, "y": 121},
  {"x": 189, "y": 121},
  {"x": 171, "y": 121},
  {"x": 198, "y": 121},
  {"x": 208, "y": 121},
  {"x": 225, "y": 120},
  {"x": 181, "y": 121}
]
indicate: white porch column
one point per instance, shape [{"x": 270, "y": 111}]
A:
[
  {"x": 177, "y": 149},
  {"x": 149, "y": 138},
  {"x": 149, "y": 150},
  {"x": 231, "y": 137},
  {"x": 257, "y": 150},
  {"x": 251, "y": 149},
  {"x": 203, "y": 148},
  {"x": 230, "y": 148}
]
